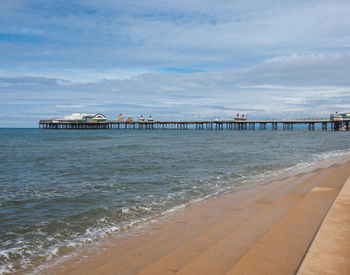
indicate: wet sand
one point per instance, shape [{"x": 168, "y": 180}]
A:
[{"x": 265, "y": 229}]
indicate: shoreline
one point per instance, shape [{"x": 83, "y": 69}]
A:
[{"x": 184, "y": 224}]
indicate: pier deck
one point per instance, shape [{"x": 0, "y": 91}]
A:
[{"x": 198, "y": 125}]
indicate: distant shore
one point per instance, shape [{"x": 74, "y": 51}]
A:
[{"x": 212, "y": 236}]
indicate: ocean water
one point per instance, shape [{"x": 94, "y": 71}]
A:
[{"x": 63, "y": 189}]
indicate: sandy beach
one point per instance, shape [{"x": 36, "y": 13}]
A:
[{"x": 265, "y": 229}]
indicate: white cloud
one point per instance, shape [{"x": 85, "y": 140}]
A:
[
  {"x": 264, "y": 58},
  {"x": 76, "y": 106},
  {"x": 294, "y": 90},
  {"x": 203, "y": 35}
]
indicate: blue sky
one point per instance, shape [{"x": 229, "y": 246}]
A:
[{"x": 173, "y": 59}]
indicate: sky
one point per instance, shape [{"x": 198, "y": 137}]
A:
[{"x": 173, "y": 59}]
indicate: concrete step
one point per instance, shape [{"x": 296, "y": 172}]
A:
[
  {"x": 147, "y": 251},
  {"x": 330, "y": 250},
  {"x": 221, "y": 256},
  {"x": 193, "y": 248},
  {"x": 282, "y": 249}
]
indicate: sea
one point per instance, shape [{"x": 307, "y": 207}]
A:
[{"x": 61, "y": 190}]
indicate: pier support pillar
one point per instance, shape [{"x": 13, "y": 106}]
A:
[
  {"x": 336, "y": 126},
  {"x": 262, "y": 126},
  {"x": 311, "y": 126},
  {"x": 324, "y": 126}
]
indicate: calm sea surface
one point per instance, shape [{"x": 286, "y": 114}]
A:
[{"x": 62, "y": 189}]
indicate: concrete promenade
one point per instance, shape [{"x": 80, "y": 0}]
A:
[{"x": 330, "y": 251}]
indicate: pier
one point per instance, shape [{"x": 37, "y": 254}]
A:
[{"x": 235, "y": 125}]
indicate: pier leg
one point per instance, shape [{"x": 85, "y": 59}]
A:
[
  {"x": 336, "y": 126},
  {"x": 324, "y": 126},
  {"x": 312, "y": 126},
  {"x": 262, "y": 126}
]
